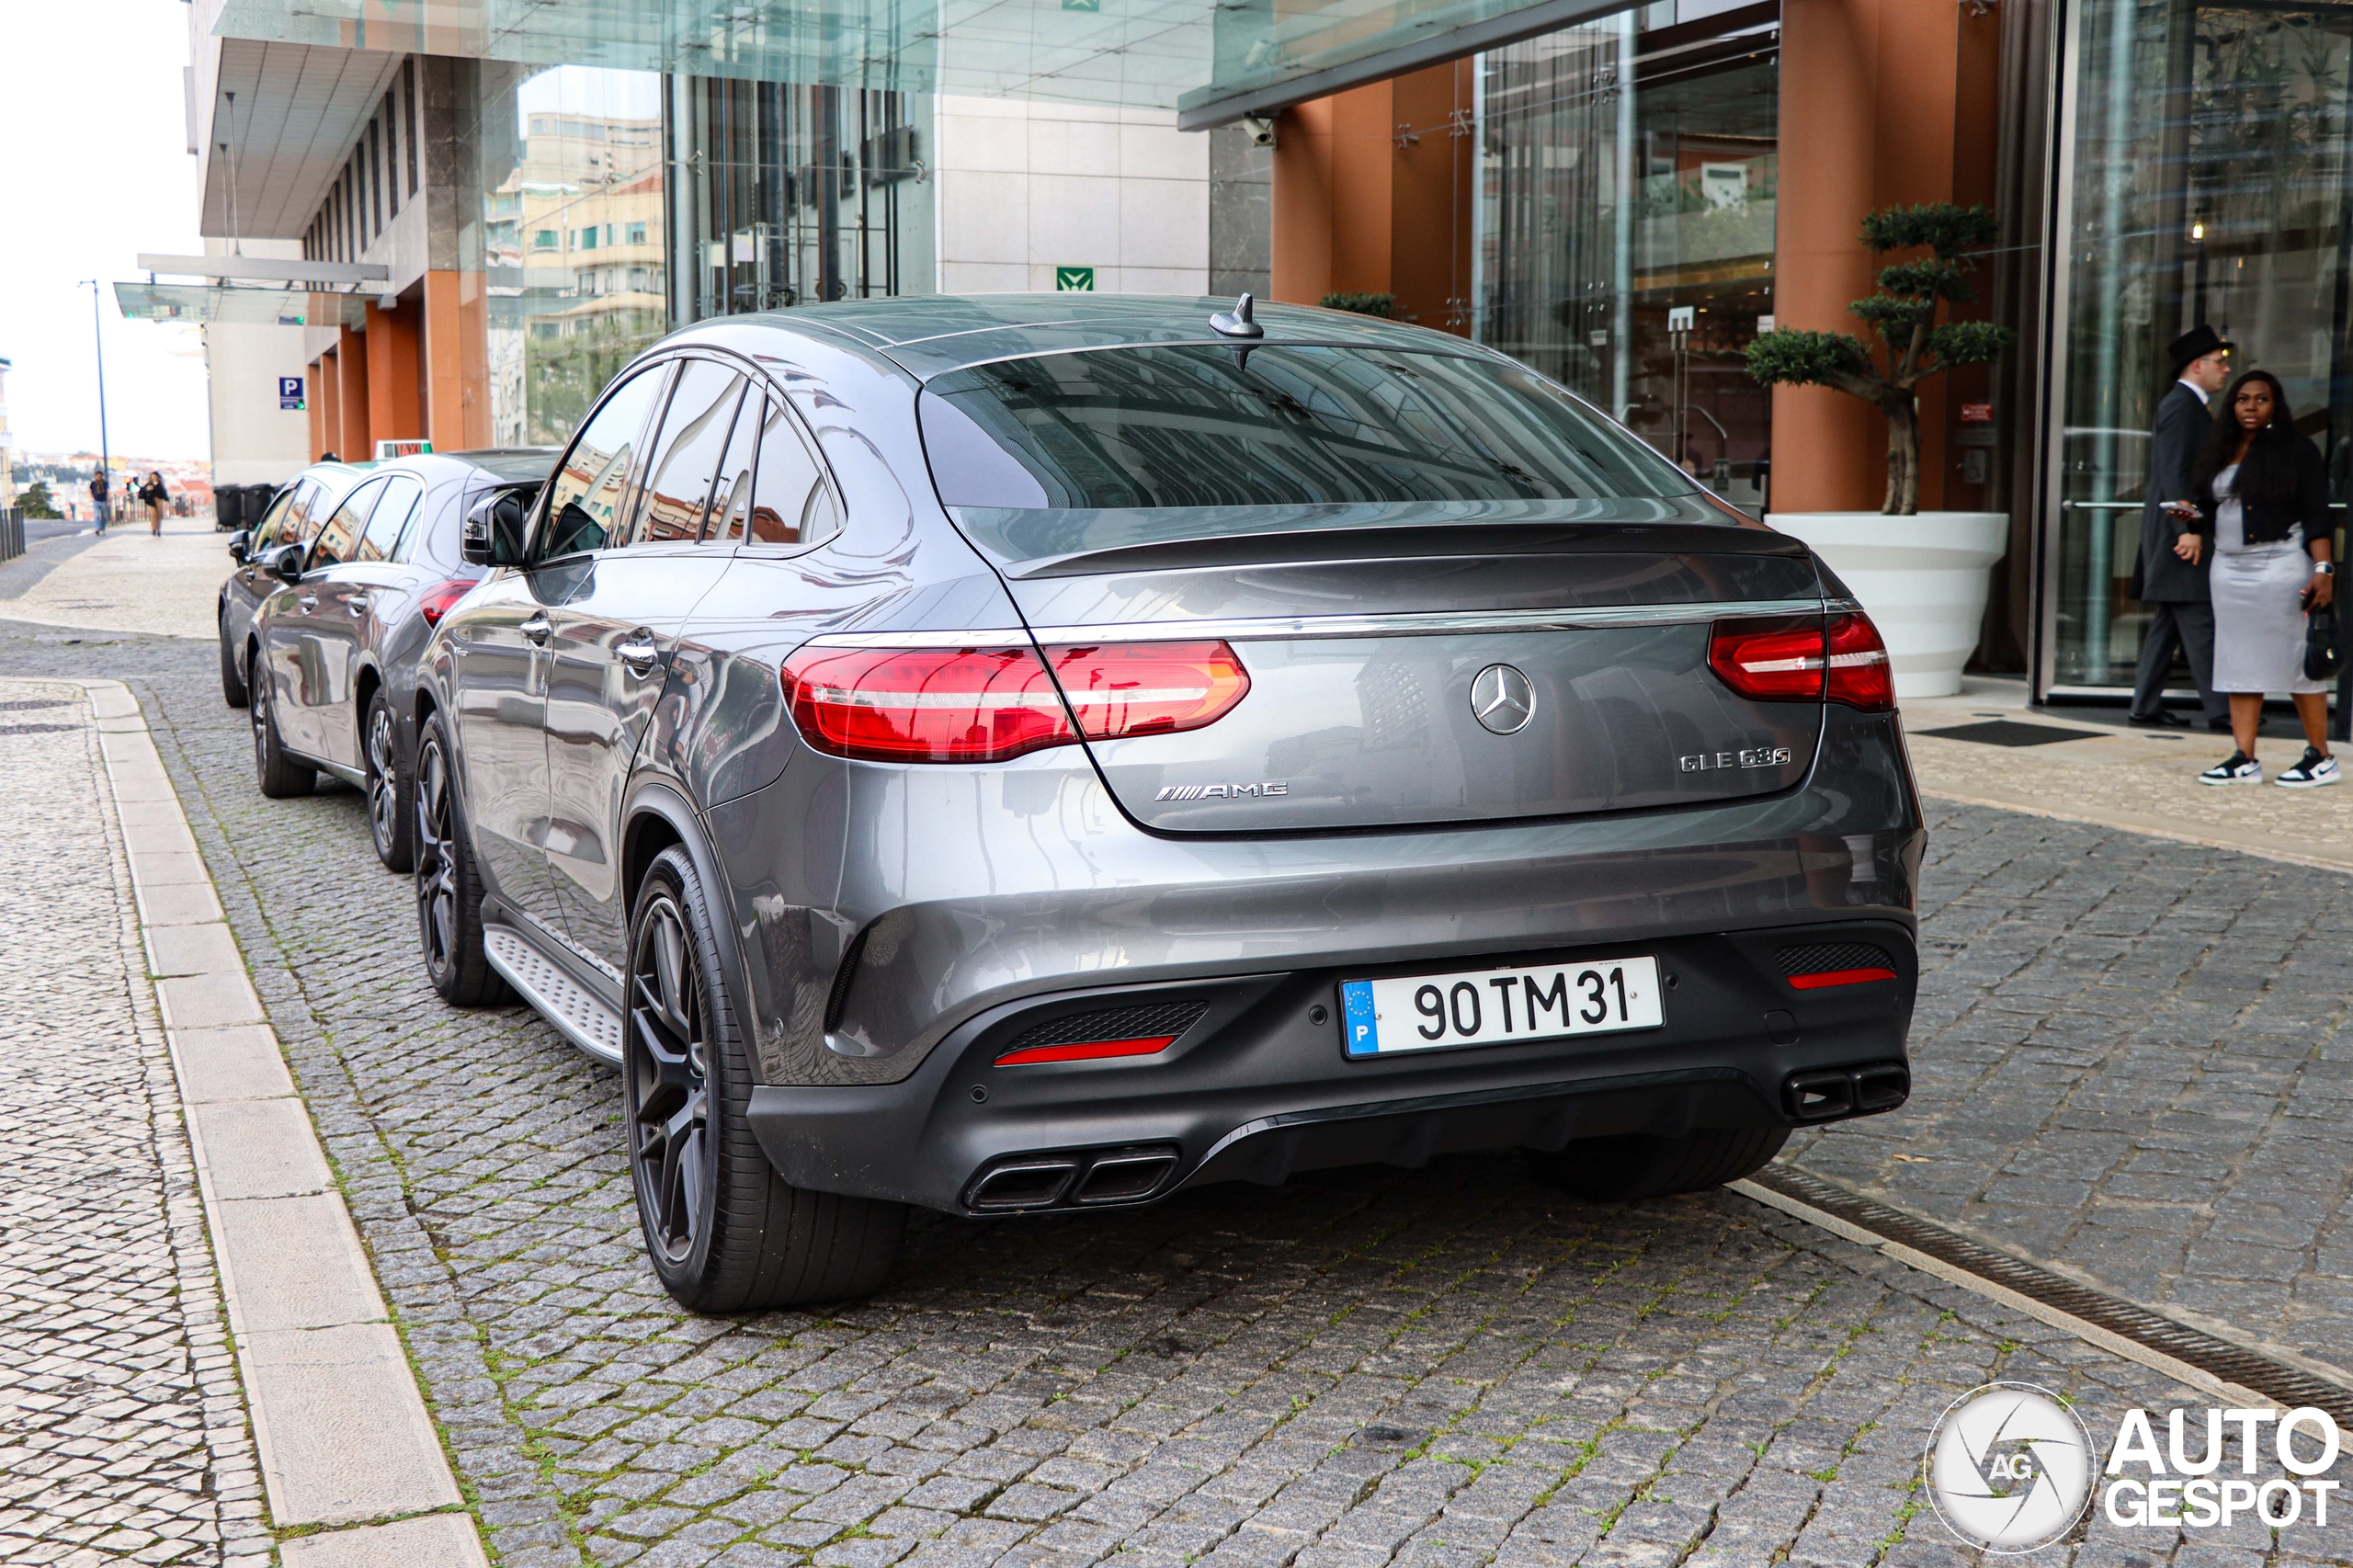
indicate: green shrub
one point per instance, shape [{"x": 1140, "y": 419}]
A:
[
  {"x": 1382, "y": 305},
  {"x": 1904, "y": 315},
  {"x": 34, "y": 499}
]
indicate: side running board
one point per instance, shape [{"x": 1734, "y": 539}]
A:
[{"x": 575, "y": 1010}]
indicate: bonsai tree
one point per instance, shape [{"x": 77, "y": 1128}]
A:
[{"x": 1904, "y": 313}]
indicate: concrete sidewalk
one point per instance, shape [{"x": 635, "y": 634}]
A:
[
  {"x": 2095, "y": 770},
  {"x": 166, "y": 1185},
  {"x": 128, "y": 580}
]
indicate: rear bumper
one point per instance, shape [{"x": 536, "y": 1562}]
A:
[{"x": 1257, "y": 1087}]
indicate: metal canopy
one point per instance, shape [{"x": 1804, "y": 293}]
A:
[
  {"x": 197, "y": 304},
  {"x": 265, "y": 269},
  {"x": 1212, "y": 60}
]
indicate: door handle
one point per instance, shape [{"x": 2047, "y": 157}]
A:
[
  {"x": 359, "y": 603},
  {"x": 638, "y": 652},
  {"x": 309, "y": 603},
  {"x": 537, "y": 629}
]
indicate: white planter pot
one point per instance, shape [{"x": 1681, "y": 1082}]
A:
[{"x": 1922, "y": 579}]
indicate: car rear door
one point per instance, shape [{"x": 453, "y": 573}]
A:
[{"x": 608, "y": 650}]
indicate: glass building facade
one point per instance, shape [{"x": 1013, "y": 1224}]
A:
[
  {"x": 2205, "y": 173},
  {"x": 617, "y": 204},
  {"x": 1624, "y": 224}
]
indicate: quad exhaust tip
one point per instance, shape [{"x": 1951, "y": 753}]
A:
[
  {"x": 1833, "y": 1093},
  {"x": 1083, "y": 1179}
]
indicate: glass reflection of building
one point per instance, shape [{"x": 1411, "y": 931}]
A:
[
  {"x": 1624, "y": 216},
  {"x": 617, "y": 204},
  {"x": 2206, "y": 175}
]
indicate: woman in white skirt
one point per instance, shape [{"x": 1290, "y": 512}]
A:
[{"x": 2267, "y": 519}]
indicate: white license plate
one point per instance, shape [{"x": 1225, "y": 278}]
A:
[{"x": 1491, "y": 1006}]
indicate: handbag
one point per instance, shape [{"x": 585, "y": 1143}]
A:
[{"x": 2320, "y": 645}]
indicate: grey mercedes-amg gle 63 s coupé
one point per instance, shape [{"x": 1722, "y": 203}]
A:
[{"x": 1030, "y": 754}]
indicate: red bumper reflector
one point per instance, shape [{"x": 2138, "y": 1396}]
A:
[
  {"x": 1087, "y": 1051},
  {"x": 1840, "y": 977}
]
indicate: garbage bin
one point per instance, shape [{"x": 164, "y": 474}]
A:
[
  {"x": 229, "y": 507},
  {"x": 258, "y": 500}
]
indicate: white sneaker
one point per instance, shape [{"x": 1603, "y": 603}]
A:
[
  {"x": 2310, "y": 774},
  {"x": 2240, "y": 769}
]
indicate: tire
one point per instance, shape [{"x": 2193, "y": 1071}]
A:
[
  {"x": 392, "y": 786},
  {"x": 1620, "y": 1170},
  {"x": 449, "y": 882},
  {"x": 724, "y": 1232},
  {"x": 232, "y": 685},
  {"x": 279, "y": 775}
]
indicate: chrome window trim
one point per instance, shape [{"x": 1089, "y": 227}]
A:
[{"x": 979, "y": 637}]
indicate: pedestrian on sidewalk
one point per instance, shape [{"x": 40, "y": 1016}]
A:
[
  {"x": 2265, "y": 513},
  {"x": 154, "y": 494},
  {"x": 2174, "y": 586},
  {"x": 98, "y": 498}
]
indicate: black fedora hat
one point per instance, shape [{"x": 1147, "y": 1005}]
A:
[{"x": 2195, "y": 344}]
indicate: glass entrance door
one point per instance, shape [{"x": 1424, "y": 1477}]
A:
[{"x": 2210, "y": 179}]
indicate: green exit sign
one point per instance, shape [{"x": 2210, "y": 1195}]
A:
[
  {"x": 1083, "y": 4},
  {"x": 1074, "y": 279}
]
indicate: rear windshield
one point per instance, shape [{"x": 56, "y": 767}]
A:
[
  {"x": 1194, "y": 425},
  {"x": 516, "y": 464}
]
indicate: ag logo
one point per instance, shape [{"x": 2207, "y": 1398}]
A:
[{"x": 2009, "y": 1468}]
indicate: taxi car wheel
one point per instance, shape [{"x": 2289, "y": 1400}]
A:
[{"x": 279, "y": 775}]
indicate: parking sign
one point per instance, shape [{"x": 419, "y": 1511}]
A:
[{"x": 290, "y": 393}]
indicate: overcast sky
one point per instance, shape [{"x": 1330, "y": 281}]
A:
[{"x": 94, "y": 169}]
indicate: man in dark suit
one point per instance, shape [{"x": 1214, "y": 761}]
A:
[{"x": 2175, "y": 589}]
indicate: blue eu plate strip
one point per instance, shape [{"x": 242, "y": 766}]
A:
[{"x": 1363, "y": 1034}]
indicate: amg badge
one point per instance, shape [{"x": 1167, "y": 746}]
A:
[
  {"x": 1225, "y": 792},
  {"x": 1751, "y": 757}
]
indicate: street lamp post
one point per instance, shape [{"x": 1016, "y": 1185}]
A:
[{"x": 99, "y": 341}]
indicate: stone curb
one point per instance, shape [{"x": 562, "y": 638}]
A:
[{"x": 340, "y": 1423}]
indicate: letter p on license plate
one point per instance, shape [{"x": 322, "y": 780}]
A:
[{"x": 1496, "y": 1006}]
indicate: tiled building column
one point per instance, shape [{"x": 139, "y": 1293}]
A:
[{"x": 351, "y": 357}]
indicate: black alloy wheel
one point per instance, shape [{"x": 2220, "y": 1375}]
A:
[
  {"x": 724, "y": 1232},
  {"x": 669, "y": 1094},
  {"x": 448, "y": 885},
  {"x": 279, "y": 776},
  {"x": 232, "y": 685},
  {"x": 391, "y": 811}
]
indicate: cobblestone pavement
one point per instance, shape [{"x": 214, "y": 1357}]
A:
[
  {"x": 1446, "y": 1366},
  {"x": 122, "y": 1433},
  {"x": 2132, "y": 1057}
]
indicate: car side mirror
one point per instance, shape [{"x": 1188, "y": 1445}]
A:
[
  {"x": 237, "y": 542},
  {"x": 496, "y": 528},
  {"x": 286, "y": 564}
]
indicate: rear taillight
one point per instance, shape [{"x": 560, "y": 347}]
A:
[
  {"x": 1772, "y": 660},
  {"x": 1861, "y": 675},
  {"x": 1779, "y": 661},
  {"x": 435, "y": 602},
  {"x": 1148, "y": 689},
  {"x": 925, "y": 704},
  {"x": 989, "y": 704}
]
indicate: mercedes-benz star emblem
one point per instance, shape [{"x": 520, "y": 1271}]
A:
[{"x": 1502, "y": 699}]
